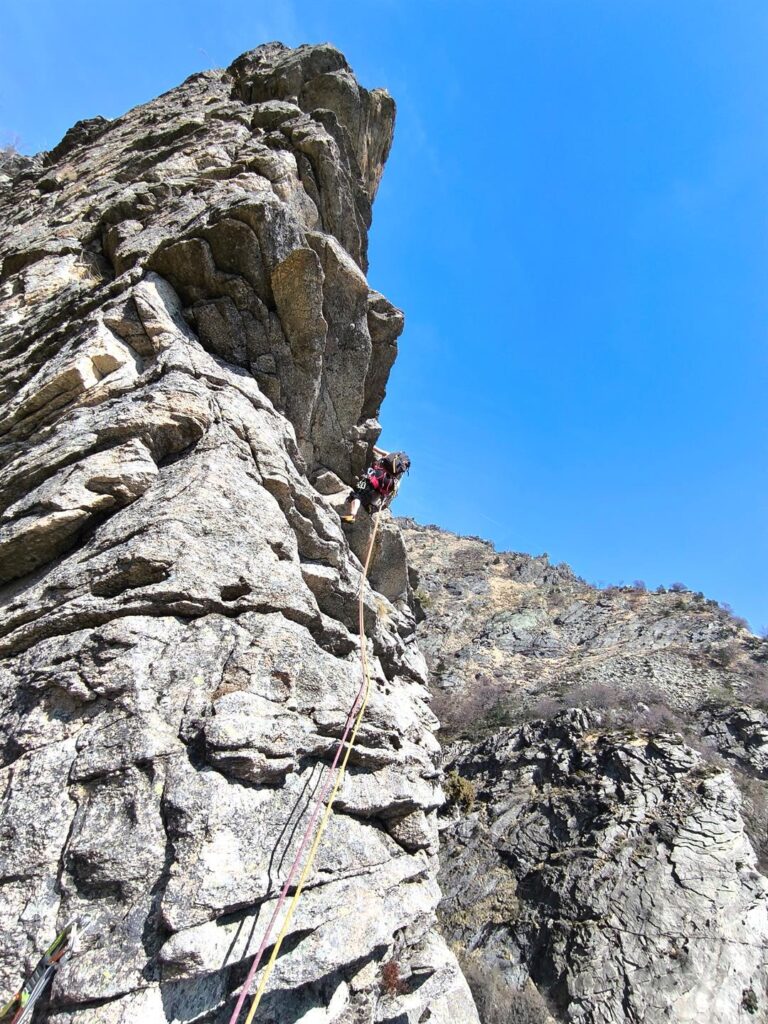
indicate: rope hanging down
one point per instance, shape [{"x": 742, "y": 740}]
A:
[{"x": 355, "y": 714}]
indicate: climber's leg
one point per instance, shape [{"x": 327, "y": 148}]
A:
[{"x": 350, "y": 510}]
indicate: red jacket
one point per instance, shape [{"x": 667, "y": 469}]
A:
[{"x": 381, "y": 478}]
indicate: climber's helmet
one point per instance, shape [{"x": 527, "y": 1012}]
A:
[{"x": 401, "y": 463}]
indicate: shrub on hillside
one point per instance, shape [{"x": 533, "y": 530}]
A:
[
  {"x": 459, "y": 791},
  {"x": 735, "y": 619},
  {"x": 658, "y": 717},
  {"x": 721, "y": 657},
  {"x": 497, "y": 1000},
  {"x": 545, "y": 707},
  {"x": 474, "y": 711},
  {"x": 487, "y": 708},
  {"x": 645, "y": 710},
  {"x": 596, "y": 696}
]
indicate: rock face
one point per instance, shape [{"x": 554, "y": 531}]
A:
[
  {"x": 191, "y": 369},
  {"x": 594, "y": 852},
  {"x": 523, "y": 631},
  {"x": 613, "y": 870},
  {"x": 189, "y": 345}
]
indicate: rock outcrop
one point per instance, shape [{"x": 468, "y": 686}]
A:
[
  {"x": 189, "y": 346},
  {"x": 529, "y": 635},
  {"x": 612, "y": 869},
  {"x": 596, "y": 853},
  {"x": 191, "y": 369}
]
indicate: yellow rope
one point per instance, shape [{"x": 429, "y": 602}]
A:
[{"x": 339, "y": 778}]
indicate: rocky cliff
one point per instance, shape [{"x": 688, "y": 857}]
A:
[
  {"x": 607, "y": 754},
  {"x": 192, "y": 366}
]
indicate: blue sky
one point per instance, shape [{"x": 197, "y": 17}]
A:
[{"x": 574, "y": 219}]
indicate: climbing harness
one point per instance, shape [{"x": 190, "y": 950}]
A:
[
  {"x": 381, "y": 481},
  {"x": 353, "y": 721},
  {"x": 20, "y": 1007}
]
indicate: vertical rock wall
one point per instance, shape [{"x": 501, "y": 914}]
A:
[{"x": 189, "y": 341}]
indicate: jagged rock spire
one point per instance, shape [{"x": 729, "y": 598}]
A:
[{"x": 189, "y": 340}]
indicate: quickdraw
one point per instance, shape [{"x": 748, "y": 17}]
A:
[{"x": 20, "y": 1007}]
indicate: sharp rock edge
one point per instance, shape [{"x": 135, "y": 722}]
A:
[{"x": 192, "y": 366}]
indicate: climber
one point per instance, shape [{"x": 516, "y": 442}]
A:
[{"x": 378, "y": 487}]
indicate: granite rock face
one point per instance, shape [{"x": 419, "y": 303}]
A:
[
  {"x": 190, "y": 344},
  {"x": 589, "y": 847},
  {"x": 191, "y": 369}
]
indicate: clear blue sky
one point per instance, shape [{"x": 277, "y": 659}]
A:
[{"x": 574, "y": 219}]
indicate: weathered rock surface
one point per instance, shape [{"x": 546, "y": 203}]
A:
[
  {"x": 188, "y": 342},
  {"x": 191, "y": 368},
  {"x": 594, "y": 852},
  {"x": 612, "y": 869},
  {"x": 521, "y": 630}
]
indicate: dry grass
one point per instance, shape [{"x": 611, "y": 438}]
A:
[
  {"x": 469, "y": 713},
  {"x": 390, "y": 980},
  {"x": 459, "y": 791},
  {"x": 497, "y": 1000}
]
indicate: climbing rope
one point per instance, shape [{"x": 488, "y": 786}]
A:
[{"x": 355, "y": 715}]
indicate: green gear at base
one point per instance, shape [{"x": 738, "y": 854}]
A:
[{"x": 18, "y": 1009}]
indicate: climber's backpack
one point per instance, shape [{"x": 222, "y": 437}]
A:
[{"x": 381, "y": 477}]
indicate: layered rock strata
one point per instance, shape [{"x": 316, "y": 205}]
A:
[{"x": 190, "y": 345}]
